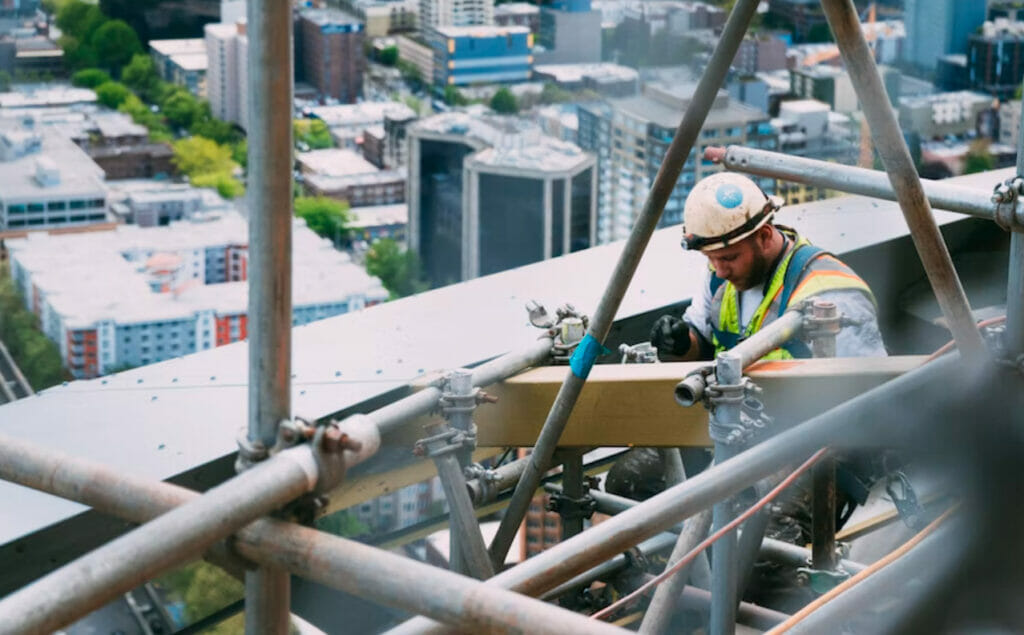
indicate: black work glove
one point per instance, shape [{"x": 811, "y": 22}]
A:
[{"x": 671, "y": 335}]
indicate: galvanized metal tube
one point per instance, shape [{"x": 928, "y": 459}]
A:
[
  {"x": 823, "y": 515},
  {"x": 349, "y": 566},
  {"x": 486, "y": 489},
  {"x": 1013, "y": 339},
  {"x": 724, "y": 571},
  {"x": 601, "y": 321},
  {"x": 398, "y": 413},
  {"x": 888, "y": 139},
  {"x": 572, "y": 487},
  {"x": 180, "y": 535},
  {"x": 751, "y": 536},
  {"x": 666, "y": 596},
  {"x": 850, "y": 179},
  {"x": 797, "y": 556},
  {"x": 864, "y": 417},
  {"x": 464, "y": 526},
  {"x": 269, "y": 128}
]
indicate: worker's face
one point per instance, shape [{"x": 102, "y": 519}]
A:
[{"x": 746, "y": 263}]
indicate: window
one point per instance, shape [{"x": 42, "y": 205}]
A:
[
  {"x": 16, "y": 209},
  {"x": 77, "y": 204},
  {"x": 35, "y": 207},
  {"x": 56, "y": 206}
]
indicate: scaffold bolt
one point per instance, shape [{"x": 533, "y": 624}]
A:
[{"x": 482, "y": 397}]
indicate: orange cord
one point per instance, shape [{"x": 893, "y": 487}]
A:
[
  {"x": 682, "y": 562},
  {"x": 849, "y": 583},
  {"x": 948, "y": 346}
]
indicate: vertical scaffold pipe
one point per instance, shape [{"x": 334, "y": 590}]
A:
[
  {"x": 1014, "y": 338},
  {"x": 724, "y": 579},
  {"x": 269, "y": 101},
  {"x": 887, "y": 137},
  {"x": 601, "y": 321}
]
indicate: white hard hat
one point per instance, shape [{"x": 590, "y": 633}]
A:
[{"x": 723, "y": 209}]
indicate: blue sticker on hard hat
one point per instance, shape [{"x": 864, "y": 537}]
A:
[
  {"x": 582, "y": 360},
  {"x": 728, "y": 195}
]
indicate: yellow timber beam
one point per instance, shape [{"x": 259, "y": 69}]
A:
[{"x": 634, "y": 404}]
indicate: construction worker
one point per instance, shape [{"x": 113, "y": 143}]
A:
[{"x": 757, "y": 270}]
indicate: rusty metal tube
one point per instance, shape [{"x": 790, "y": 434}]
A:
[
  {"x": 601, "y": 321},
  {"x": 888, "y": 139},
  {"x": 341, "y": 564}
]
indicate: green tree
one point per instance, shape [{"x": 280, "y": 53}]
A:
[
  {"x": 240, "y": 152},
  {"x": 38, "y": 357},
  {"x": 504, "y": 102},
  {"x": 198, "y": 155},
  {"x": 453, "y": 96},
  {"x": 325, "y": 216},
  {"x": 388, "y": 56},
  {"x": 77, "y": 53},
  {"x": 206, "y": 125},
  {"x": 343, "y": 523},
  {"x": 79, "y": 19},
  {"x": 112, "y": 94},
  {"x": 226, "y": 185},
  {"x": 399, "y": 269},
  {"x": 115, "y": 43},
  {"x": 142, "y": 115},
  {"x": 410, "y": 73},
  {"x": 312, "y": 132},
  {"x": 140, "y": 75},
  {"x": 90, "y": 77},
  {"x": 553, "y": 94},
  {"x": 5, "y": 81},
  {"x": 181, "y": 109},
  {"x": 979, "y": 158}
]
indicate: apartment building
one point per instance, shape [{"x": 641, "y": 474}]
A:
[
  {"x": 137, "y": 296},
  {"x": 227, "y": 75},
  {"x": 332, "y": 54}
]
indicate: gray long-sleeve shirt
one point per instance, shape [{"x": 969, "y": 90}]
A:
[{"x": 861, "y": 340}]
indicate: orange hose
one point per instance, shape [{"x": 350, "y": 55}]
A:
[
  {"x": 948, "y": 346},
  {"x": 849, "y": 583}
]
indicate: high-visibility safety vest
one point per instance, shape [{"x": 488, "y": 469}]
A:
[{"x": 804, "y": 271}]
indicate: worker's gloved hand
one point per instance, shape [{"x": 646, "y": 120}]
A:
[{"x": 671, "y": 335}]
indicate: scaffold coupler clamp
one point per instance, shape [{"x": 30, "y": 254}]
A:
[
  {"x": 905, "y": 500},
  {"x": 566, "y": 329},
  {"x": 642, "y": 353},
  {"x": 444, "y": 440},
  {"x": 1006, "y": 196},
  {"x": 821, "y": 581},
  {"x": 753, "y": 420},
  {"x": 571, "y": 508}
]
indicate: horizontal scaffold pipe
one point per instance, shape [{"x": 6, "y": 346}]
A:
[
  {"x": 853, "y": 180},
  {"x": 342, "y": 564},
  {"x": 865, "y": 418}
]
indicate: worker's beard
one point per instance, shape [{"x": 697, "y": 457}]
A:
[{"x": 760, "y": 265}]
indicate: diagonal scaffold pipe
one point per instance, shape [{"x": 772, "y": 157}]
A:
[
  {"x": 869, "y": 417},
  {"x": 591, "y": 346},
  {"x": 888, "y": 139},
  {"x": 342, "y": 564}
]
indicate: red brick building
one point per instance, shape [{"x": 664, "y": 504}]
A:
[{"x": 332, "y": 57}]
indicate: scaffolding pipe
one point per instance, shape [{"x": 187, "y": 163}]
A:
[
  {"x": 659, "y": 612},
  {"x": 1014, "y": 333},
  {"x": 863, "y": 418},
  {"x": 851, "y": 179},
  {"x": 394, "y": 415},
  {"x": 632, "y": 252},
  {"x": 269, "y": 99},
  {"x": 725, "y": 417},
  {"x": 178, "y": 536},
  {"x": 691, "y": 389},
  {"x": 349, "y": 566},
  {"x": 888, "y": 139},
  {"x": 752, "y": 537}
]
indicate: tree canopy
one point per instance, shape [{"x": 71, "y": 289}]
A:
[
  {"x": 504, "y": 102},
  {"x": 313, "y": 133},
  {"x": 112, "y": 94},
  {"x": 207, "y": 164},
  {"x": 979, "y": 158},
  {"x": 325, "y": 216},
  {"x": 37, "y": 356},
  {"x": 399, "y": 269},
  {"x": 90, "y": 77},
  {"x": 115, "y": 44}
]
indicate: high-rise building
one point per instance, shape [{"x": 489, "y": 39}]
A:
[
  {"x": 570, "y": 33},
  {"x": 442, "y": 13},
  {"x": 995, "y": 58},
  {"x": 630, "y": 137},
  {"x": 939, "y": 27},
  {"x": 492, "y": 193},
  {"x": 943, "y": 114},
  {"x": 466, "y": 55},
  {"x": 332, "y": 57},
  {"x": 227, "y": 75}
]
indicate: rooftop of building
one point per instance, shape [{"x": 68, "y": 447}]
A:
[
  {"x": 363, "y": 114},
  {"x": 43, "y": 95},
  {"x": 335, "y": 162},
  {"x": 960, "y": 96},
  {"x": 117, "y": 124},
  {"x": 1001, "y": 28},
  {"x": 481, "y": 31},
  {"x": 329, "y": 17},
  {"x": 225, "y": 29},
  {"x": 516, "y": 8},
  {"x": 87, "y": 279},
  {"x": 577, "y": 72},
  {"x": 376, "y": 215},
  {"x": 658, "y": 110},
  {"x": 78, "y": 175},
  {"x": 191, "y": 61},
  {"x": 178, "y": 46},
  {"x": 802, "y": 106}
]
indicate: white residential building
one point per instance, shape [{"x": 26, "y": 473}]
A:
[
  {"x": 227, "y": 77},
  {"x": 442, "y": 13}
]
